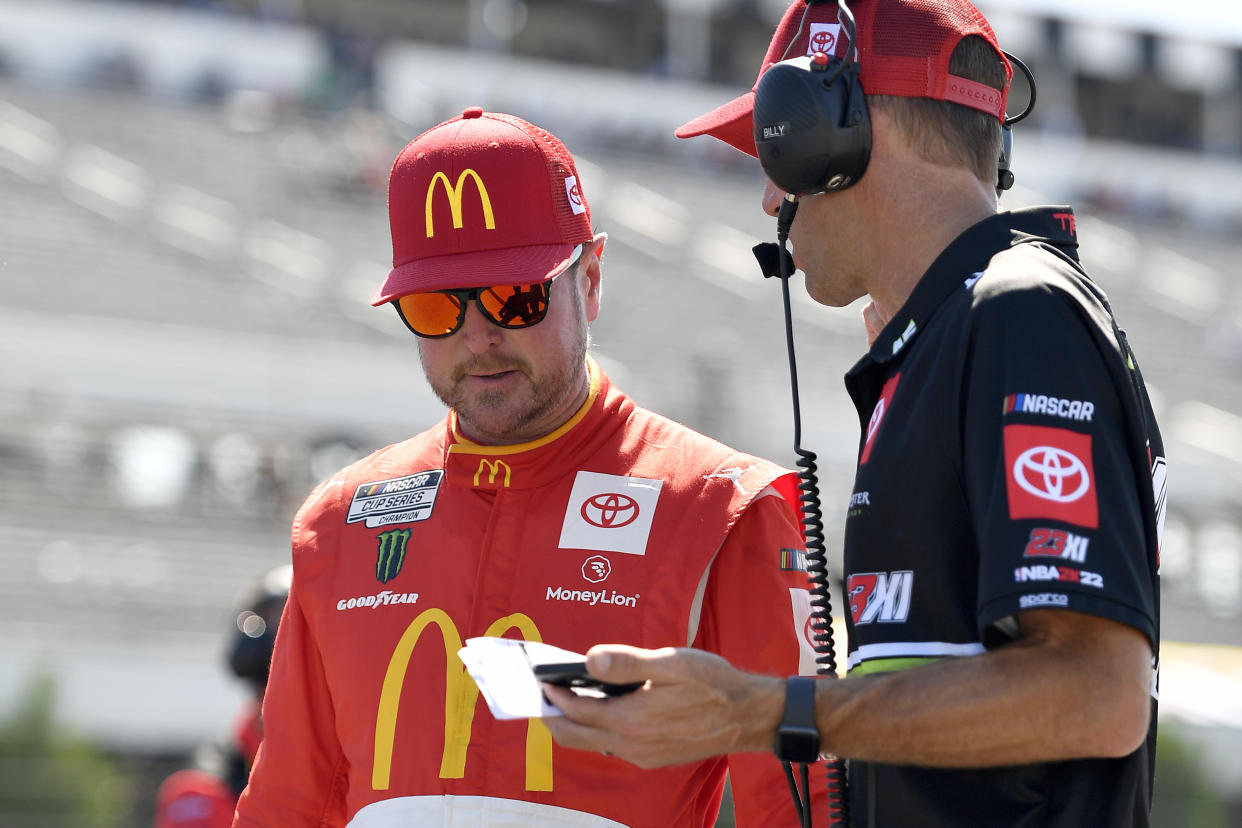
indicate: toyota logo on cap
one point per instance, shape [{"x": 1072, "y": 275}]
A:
[
  {"x": 610, "y": 510},
  {"x": 574, "y": 193},
  {"x": 822, "y": 37},
  {"x": 823, "y": 42}
]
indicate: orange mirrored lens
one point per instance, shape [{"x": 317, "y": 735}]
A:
[
  {"x": 431, "y": 314},
  {"x": 515, "y": 306}
]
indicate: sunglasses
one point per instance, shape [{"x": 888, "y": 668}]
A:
[{"x": 440, "y": 313}]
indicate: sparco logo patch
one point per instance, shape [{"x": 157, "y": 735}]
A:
[
  {"x": 1050, "y": 475},
  {"x": 610, "y": 513},
  {"x": 1044, "y": 599},
  {"x": 880, "y": 596},
  {"x": 406, "y": 499}
]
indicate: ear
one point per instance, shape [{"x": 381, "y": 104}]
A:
[{"x": 592, "y": 270}]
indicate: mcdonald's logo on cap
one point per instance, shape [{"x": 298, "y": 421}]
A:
[
  {"x": 460, "y": 697},
  {"x": 494, "y": 467},
  {"x": 454, "y": 193}
]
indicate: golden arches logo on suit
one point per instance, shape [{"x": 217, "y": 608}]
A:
[
  {"x": 460, "y": 697},
  {"x": 493, "y": 469}
]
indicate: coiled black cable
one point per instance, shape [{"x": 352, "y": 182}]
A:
[{"x": 816, "y": 553}]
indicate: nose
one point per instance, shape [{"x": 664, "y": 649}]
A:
[
  {"x": 476, "y": 332},
  {"x": 772, "y": 197}
]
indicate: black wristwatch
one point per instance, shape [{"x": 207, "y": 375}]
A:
[{"x": 797, "y": 737}]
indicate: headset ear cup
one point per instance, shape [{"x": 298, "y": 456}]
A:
[{"x": 811, "y": 124}]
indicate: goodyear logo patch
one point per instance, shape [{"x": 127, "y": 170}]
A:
[{"x": 406, "y": 499}]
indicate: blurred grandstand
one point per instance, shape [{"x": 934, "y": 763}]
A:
[{"x": 192, "y": 219}]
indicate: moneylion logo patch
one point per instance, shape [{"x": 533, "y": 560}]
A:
[{"x": 391, "y": 554}]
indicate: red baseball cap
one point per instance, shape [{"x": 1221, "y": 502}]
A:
[
  {"x": 482, "y": 199},
  {"x": 903, "y": 49}
]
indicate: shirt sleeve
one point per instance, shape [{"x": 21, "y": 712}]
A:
[
  {"x": 299, "y": 775},
  {"x": 1053, "y": 467},
  {"x": 755, "y": 613}
]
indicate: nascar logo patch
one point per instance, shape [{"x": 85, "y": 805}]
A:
[{"x": 406, "y": 499}]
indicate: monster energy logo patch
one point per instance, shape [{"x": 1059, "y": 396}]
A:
[{"x": 391, "y": 554}]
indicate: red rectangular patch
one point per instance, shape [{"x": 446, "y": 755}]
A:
[
  {"x": 1049, "y": 474},
  {"x": 877, "y": 415}
]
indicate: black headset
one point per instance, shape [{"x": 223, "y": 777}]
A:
[{"x": 811, "y": 125}]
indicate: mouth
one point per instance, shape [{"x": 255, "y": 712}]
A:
[{"x": 489, "y": 377}]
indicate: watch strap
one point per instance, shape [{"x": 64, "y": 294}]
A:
[{"x": 797, "y": 736}]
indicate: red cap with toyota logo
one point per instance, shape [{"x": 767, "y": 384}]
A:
[{"x": 903, "y": 49}]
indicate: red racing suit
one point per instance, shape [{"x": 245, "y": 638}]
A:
[{"x": 620, "y": 526}]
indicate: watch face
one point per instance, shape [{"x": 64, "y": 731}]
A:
[{"x": 797, "y": 745}]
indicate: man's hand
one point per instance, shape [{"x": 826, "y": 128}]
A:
[{"x": 694, "y": 705}]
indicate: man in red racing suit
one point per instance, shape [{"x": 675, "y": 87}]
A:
[{"x": 577, "y": 522}]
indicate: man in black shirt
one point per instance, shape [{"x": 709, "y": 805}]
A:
[{"x": 1002, "y": 540}]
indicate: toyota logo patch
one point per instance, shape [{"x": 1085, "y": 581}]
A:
[
  {"x": 610, "y": 511},
  {"x": 823, "y": 42},
  {"x": 1049, "y": 475}
]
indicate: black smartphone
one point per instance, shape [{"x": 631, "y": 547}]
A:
[{"x": 573, "y": 674}]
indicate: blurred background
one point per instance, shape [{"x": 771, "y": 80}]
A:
[{"x": 192, "y": 221}]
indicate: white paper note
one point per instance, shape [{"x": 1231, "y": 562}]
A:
[{"x": 502, "y": 668}]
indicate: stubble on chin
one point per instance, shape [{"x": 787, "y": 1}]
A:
[
  {"x": 480, "y": 409},
  {"x": 497, "y": 416},
  {"x": 507, "y": 416}
]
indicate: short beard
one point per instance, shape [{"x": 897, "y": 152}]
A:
[{"x": 547, "y": 392}]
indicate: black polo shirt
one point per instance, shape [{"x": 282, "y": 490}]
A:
[{"x": 1009, "y": 460}]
